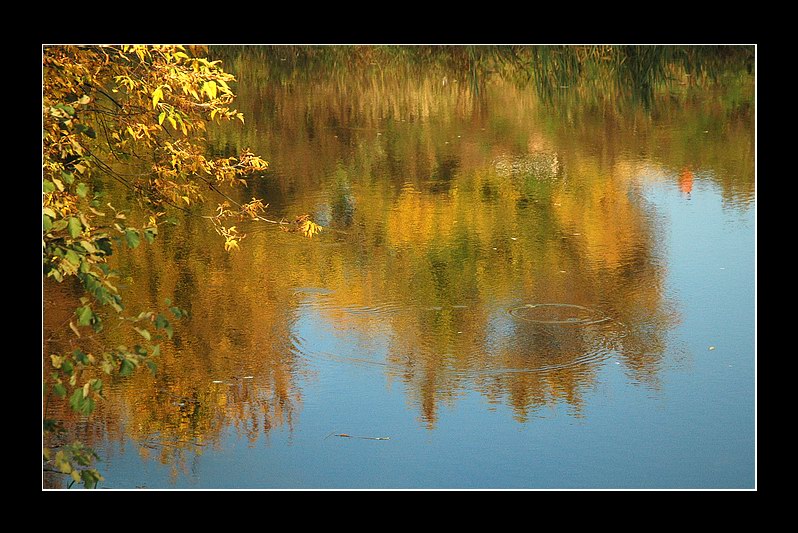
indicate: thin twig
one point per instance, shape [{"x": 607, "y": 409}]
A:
[
  {"x": 346, "y": 435},
  {"x": 213, "y": 188}
]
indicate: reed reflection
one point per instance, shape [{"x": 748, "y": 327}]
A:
[{"x": 450, "y": 208}]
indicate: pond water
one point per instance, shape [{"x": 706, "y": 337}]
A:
[{"x": 511, "y": 291}]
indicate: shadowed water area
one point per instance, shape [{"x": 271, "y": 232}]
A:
[{"x": 528, "y": 277}]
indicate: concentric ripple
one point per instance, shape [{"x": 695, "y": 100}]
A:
[
  {"x": 531, "y": 338},
  {"x": 559, "y": 314}
]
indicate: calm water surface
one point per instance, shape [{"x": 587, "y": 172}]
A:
[{"x": 509, "y": 292}]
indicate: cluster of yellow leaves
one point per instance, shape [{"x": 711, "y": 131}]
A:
[
  {"x": 254, "y": 208},
  {"x": 118, "y": 112},
  {"x": 138, "y": 97},
  {"x": 185, "y": 174},
  {"x": 304, "y": 225},
  {"x": 231, "y": 235}
]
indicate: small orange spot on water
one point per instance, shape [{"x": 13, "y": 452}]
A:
[{"x": 686, "y": 181}]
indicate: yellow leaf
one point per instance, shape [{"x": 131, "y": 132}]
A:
[
  {"x": 86, "y": 389},
  {"x": 309, "y": 228},
  {"x": 161, "y": 117},
  {"x": 157, "y": 95},
  {"x": 172, "y": 121},
  {"x": 63, "y": 464},
  {"x": 209, "y": 87}
]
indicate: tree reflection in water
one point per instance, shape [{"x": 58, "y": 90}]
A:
[{"x": 446, "y": 206}]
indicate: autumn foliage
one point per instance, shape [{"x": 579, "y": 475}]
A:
[{"x": 131, "y": 116}]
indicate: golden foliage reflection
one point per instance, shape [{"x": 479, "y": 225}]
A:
[{"x": 447, "y": 207}]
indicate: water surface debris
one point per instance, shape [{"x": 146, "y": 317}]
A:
[{"x": 348, "y": 436}]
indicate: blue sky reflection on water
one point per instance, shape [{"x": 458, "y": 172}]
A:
[
  {"x": 451, "y": 215},
  {"x": 693, "y": 428}
]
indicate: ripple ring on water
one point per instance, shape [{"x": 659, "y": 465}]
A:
[{"x": 569, "y": 314}]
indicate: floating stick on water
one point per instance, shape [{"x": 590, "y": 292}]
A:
[{"x": 346, "y": 435}]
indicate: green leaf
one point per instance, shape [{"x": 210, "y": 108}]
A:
[
  {"x": 88, "y": 246},
  {"x": 73, "y": 257},
  {"x": 74, "y": 227},
  {"x": 67, "y": 177},
  {"x": 81, "y": 404},
  {"x": 82, "y": 189},
  {"x": 152, "y": 366},
  {"x": 126, "y": 368},
  {"x": 47, "y": 223},
  {"x": 88, "y": 406},
  {"x": 48, "y": 186},
  {"x": 161, "y": 321},
  {"x": 132, "y": 237},
  {"x": 144, "y": 333},
  {"x": 105, "y": 245},
  {"x": 68, "y": 109},
  {"x": 150, "y": 234},
  {"x": 90, "y": 478},
  {"x": 59, "y": 224},
  {"x": 59, "y": 390},
  {"x": 84, "y": 315},
  {"x": 81, "y": 357}
]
